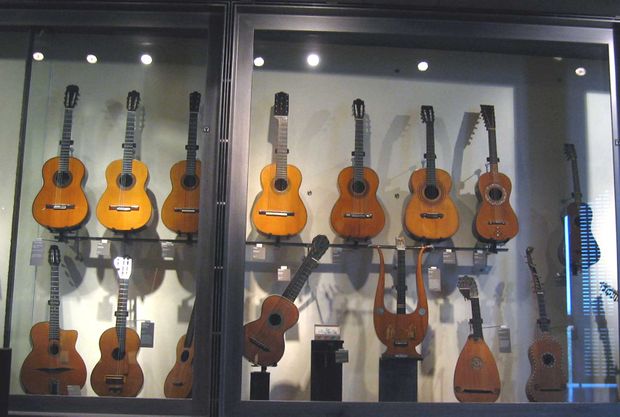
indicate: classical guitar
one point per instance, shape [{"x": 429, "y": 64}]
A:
[
  {"x": 547, "y": 381},
  {"x": 495, "y": 220},
  {"x": 431, "y": 213},
  {"x": 263, "y": 339},
  {"x": 118, "y": 372},
  {"x": 279, "y": 211},
  {"x": 53, "y": 364},
  {"x": 401, "y": 332},
  {"x": 358, "y": 214},
  {"x": 179, "y": 381},
  {"x": 61, "y": 203},
  {"x": 476, "y": 378},
  {"x": 125, "y": 205},
  {"x": 180, "y": 210},
  {"x": 582, "y": 249}
]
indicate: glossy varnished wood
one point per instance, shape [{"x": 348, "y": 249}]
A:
[
  {"x": 179, "y": 381},
  {"x": 547, "y": 381},
  {"x": 181, "y": 197},
  {"x": 476, "y": 378},
  {"x": 495, "y": 221}
]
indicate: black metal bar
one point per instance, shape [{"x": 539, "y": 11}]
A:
[{"x": 489, "y": 248}]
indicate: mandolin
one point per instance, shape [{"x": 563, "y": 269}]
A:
[
  {"x": 263, "y": 339},
  {"x": 53, "y": 364},
  {"x": 358, "y": 214},
  {"x": 495, "y": 222},
  {"x": 179, "y": 381},
  {"x": 279, "y": 211},
  {"x": 547, "y": 381},
  {"x": 180, "y": 210},
  {"x": 431, "y": 213},
  {"x": 118, "y": 372},
  {"x": 125, "y": 205},
  {"x": 61, "y": 203},
  {"x": 476, "y": 378},
  {"x": 401, "y": 332}
]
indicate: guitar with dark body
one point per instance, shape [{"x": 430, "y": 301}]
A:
[{"x": 179, "y": 381}]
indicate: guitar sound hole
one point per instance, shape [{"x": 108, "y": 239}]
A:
[
  {"x": 548, "y": 359},
  {"x": 125, "y": 181},
  {"x": 495, "y": 194},
  {"x": 62, "y": 179},
  {"x": 54, "y": 349},
  {"x": 117, "y": 354},
  {"x": 190, "y": 181},
  {"x": 431, "y": 192},
  {"x": 184, "y": 356},
  {"x": 358, "y": 187},
  {"x": 275, "y": 319}
]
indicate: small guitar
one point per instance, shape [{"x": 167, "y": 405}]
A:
[
  {"x": 263, "y": 339},
  {"x": 495, "y": 219},
  {"x": 476, "y": 378},
  {"x": 547, "y": 381},
  {"x": 61, "y": 203},
  {"x": 53, "y": 363},
  {"x": 401, "y": 332},
  {"x": 179, "y": 381},
  {"x": 125, "y": 205},
  {"x": 279, "y": 211},
  {"x": 118, "y": 372},
  {"x": 431, "y": 213},
  {"x": 180, "y": 210},
  {"x": 358, "y": 214}
]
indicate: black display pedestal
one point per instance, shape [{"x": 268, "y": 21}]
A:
[
  {"x": 398, "y": 379},
  {"x": 259, "y": 384},
  {"x": 326, "y": 373},
  {"x": 5, "y": 376}
]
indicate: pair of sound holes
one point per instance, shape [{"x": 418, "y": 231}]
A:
[{"x": 62, "y": 179}]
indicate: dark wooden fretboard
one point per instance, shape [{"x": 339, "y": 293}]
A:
[
  {"x": 189, "y": 335},
  {"x": 430, "y": 153},
  {"x": 358, "y": 153},
  {"x": 401, "y": 283},
  {"x": 576, "y": 183},
  {"x": 190, "y": 166},
  {"x": 65, "y": 142},
  {"x": 299, "y": 279},
  {"x": 476, "y": 318},
  {"x": 122, "y": 313},
  {"x": 54, "y": 304},
  {"x": 281, "y": 149},
  {"x": 129, "y": 146}
]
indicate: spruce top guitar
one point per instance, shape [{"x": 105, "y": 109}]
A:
[
  {"x": 476, "y": 378},
  {"x": 118, "y": 372},
  {"x": 179, "y": 381},
  {"x": 547, "y": 381},
  {"x": 495, "y": 220},
  {"x": 53, "y": 364},
  {"x": 401, "y": 332},
  {"x": 358, "y": 214},
  {"x": 431, "y": 213},
  {"x": 61, "y": 203},
  {"x": 263, "y": 339},
  {"x": 279, "y": 211},
  {"x": 180, "y": 210},
  {"x": 125, "y": 205}
]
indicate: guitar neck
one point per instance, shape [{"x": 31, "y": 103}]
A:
[
  {"x": 576, "y": 183},
  {"x": 129, "y": 146},
  {"x": 543, "y": 321},
  {"x": 189, "y": 335},
  {"x": 401, "y": 283},
  {"x": 65, "y": 141},
  {"x": 190, "y": 166},
  {"x": 122, "y": 313},
  {"x": 54, "y": 304},
  {"x": 493, "y": 159},
  {"x": 476, "y": 318},
  {"x": 430, "y": 153},
  {"x": 301, "y": 276},
  {"x": 281, "y": 147},
  {"x": 358, "y": 153}
]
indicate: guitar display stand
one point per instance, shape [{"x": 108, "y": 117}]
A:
[
  {"x": 398, "y": 379},
  {"x": 259, "y": 384},
  {"x": 325, "y": 371}
]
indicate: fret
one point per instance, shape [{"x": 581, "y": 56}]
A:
[
  {"x": 122, "y": 313},
  {"x": 190, "y": 169},
  {"x": 54, "y": 305},
  {"x": 129, "y": 146},
  {"x": 493, "y": 159},
  {"x": 543, "y": 321},
  {"x": 430, "y": 154},
  {"x": 294, "y": 287},
  {"x": 476, "y": 320},
  {"x": 281, "y": 147},
  {"x": 401, "y": 283},
  {"x": 358, "y": 153},
  {"x": 65, "y": 142}
]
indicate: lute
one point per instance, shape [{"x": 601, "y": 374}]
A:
[{"x": 179, "y": 381}]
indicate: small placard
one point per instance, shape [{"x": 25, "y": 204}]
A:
[
  {"x": 326, "y": 332},
  {"x": 434, "y": 279},
  {"x": 449, "y": 257},
  {"x": 337, "y": 255},
  {"x": 147, "y": 334},
  {"x": 36, "y": 252},
  {"x": 103, "y": 248},
  {"x": 341, "y": 356},
  {"x": 167, "y": 250},
  {"x": 284, "y": 274},
  {"x": 74, "y": 390},
  {"x": 259, "y": 252},
  {"x": 480, "y": 258},
  {"x": 503, "y": 333}
]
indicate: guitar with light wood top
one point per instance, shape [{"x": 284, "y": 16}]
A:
[{"x": 180, "y": 379}]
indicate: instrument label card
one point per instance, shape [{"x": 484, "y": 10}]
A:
[
  {"x": 36, "y": 252},
  {"x": 74, "y": 390},
  {"x": 434, "y": 279},
  {"x": 103, "y": 248},
  {"x": 284, "y": 274},
  {"x": 341, "y": 356},
  {"x": 326, "y": 332},
  {"x": 167, "y": 250},
  {"x": 449, "y": 257},
  {"x": 503, "y": 333},
  {"x": 480, "y": 258},
  {"x": 259, "y": 252},
  {"x": 147, "y": 334}
]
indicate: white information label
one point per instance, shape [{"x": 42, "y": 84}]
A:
[
  {"x": 434, "y": 279},
  {"x": 258, "y": 252},
  {"x": 103, "y": 248},
  {"x": 449, "y": 257},
  {"x": 167, "y": 250},
  {"x": 284, "y": 274},
  {"x": 503, "y": 333},
  {"x": 74, "y": 390},
  {"x": 147, "y": 334},
  {"x": 36, "y": 252}
]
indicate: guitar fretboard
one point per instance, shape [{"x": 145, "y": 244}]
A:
[
  {"x": 358, "y": 153},
  {"x": 122, "y": 313},
  {"x": 65, "y": 142},
  {"x": 54, "y": 304},
  {"x": 576, "y": 183},
  {"x": 129, "y": 146},
  {"x": 401, "y": 283},
  {"x": 476, "y": 318},
  {"x": 189, "y": 335},
  {"x": 190, "y": 169},
  {"x": 493, "y": 160},
  {"x": 297, "y": 282},
  {"x": 430, "y": 153},
  {"x": 281, "y": 147}
]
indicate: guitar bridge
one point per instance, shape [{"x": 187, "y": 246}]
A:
[
  {"x": 120, "y": 207},
  {"x": 358, "y": 215},
  {"x": 260, "y": 344},
  {"x": 276, "y": 213},
  {"x": 114, "y": 379},
  {"x": 401, "y": 343},
  {"x": 496, "y": 223},
  {"x": 431, "y": 215},
  {"x": 189, "y": 210},
  {"x": 478, "y": 391},
  {"x": 60, "y": 206}
]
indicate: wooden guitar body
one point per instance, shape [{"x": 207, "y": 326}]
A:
[
  {"x": 279, "y": 211},
  {"x": 495, "y": 221},
  {"x": 431, "y": 214},
  {"x": 114, "y": 375},
  {"x": 398, "y": 332},
  {"x": 180, "y": 211},
  {"x": 61, "y": 203},
  {"x": 52, "y": 365},
  {"x": 357, "y": 214},
  {"x": 547, "y": 381},
  {"x": 584, "y": 251},
  {"x": 476, "y": 378},
  {"x": 180, "y": 378}
]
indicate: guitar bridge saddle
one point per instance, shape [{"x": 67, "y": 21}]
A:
[
  {"x": 60, "y": 206},
  {"x": 114, "y": 379},
  {"x": 496, "y": 223},
  {"x": 431, "y": 215},
  {"x": 358, "y": 215},
  {"x": 276, "y": 213},
  {"x": 119, "y": 207},
  {"x": 189, "y": 210},
  {"x": 401, "y": 343}
]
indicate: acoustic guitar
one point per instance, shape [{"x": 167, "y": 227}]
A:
[
  {"x": 401, "y": 332},
  {"x": 263, "y": 339},
  {"x": 180, "y": 210},
  {"x": 547, "y": 381},
  {"x": 476, "y": 378},
  {"x": 431, "y": 213},
  {"x": 496, "y": 222},
  {"x": 61, "y": 203},
  {"x": 125, "y": 205},
  {"x": 118, "y": 372},
  {"x": 279, "y": 211},
  {"x": 54, "y": 363},
  {"x": 179, "y": 381},
  {"x": 358, "y": 214}
]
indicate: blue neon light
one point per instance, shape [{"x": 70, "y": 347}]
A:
[
  {"x": 567, "y": 263},
  {"x": 569, "y": 343}
]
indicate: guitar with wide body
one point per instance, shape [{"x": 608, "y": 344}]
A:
[{"x": 180, "y": 379}]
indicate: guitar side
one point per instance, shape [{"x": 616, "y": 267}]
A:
[
  {"x": 495, "y": 220},
  {"x": 476, "y": 378},
  {"x": 179, "y": 212},
  {"x": 547, "y": 381},
  {"x": 179, "y": 381}
]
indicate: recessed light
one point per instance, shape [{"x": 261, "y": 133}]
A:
[
  {"x": 91, "y": 59},
  {"x": 313, "y": 60},
  {"x": 259, "y": 61},
  {"x": 581, "y": 71},
  {"x": 38, "y": 56},
  {"x": 146, "y": 59},
  {"x": 422, "y": 66}
]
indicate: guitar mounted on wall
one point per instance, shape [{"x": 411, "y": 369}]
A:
[
  {"x": 61, "y": 203},
  {"x": 180, "y": 379}
]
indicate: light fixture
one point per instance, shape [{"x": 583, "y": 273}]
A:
[
  {"x": 558, "y": 58},
  {"x": 38, "y": 56},
  {"x": 422, "y": 66},
  {"x": 313, "y": 60},
  {"x": 259, "y": 61},
  {"x": 146, "y": 59},
  {"x": 91, "y": 59},
  {"x": 581, "y": 71}
]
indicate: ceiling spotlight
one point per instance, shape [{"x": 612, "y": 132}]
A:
[
  {"x": 146, "y": 59},
  {"x": 581, "y": 71},
  {"x": 38, "y": 56},
  {"x": 91, "y": 59},
  {"x": 259, "y": 61},
  {"x": 313, "y": 60},
  {"x": 422, "y": 66}
]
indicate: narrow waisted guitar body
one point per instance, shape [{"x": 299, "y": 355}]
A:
[
  {"x": 495, "y": 221},
  {"x": 547, "y": 381},
  {"x": 180, "y": 211},
  {"x": 179, "y": 381},
  {"x": 476, "y": 378}
]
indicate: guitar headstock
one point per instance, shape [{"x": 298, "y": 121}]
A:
[
  {"x": 53, "y": 256},
  {"x": 359, "y": 109},
  {"x": 72, "y": 92},
  {"x": 320, "y": 243},
  {"x": 280, "y": 106},
  {"x": 488, "y": 115},
  {"x": 123, "y": 265},
  {"x": 532, "y": 266},
  {"x": 570, "y": 152},
  {"x": 400, "y": 243},
  {"x": 428, "y": 114},
  {"x": 133, "y": 100},
  {"x": 194, "y": 102},
  {"x": 467, "y": 286}
]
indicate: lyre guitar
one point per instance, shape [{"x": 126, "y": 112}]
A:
[
  {"x": 495, "y": 220},
  {"x": 180, "y": 379},
  {"x": 401, "y": 332},
  {"x": 180, "y": 210},
  {"x": 263, "y": 339},
  {"x": 476, "y": 378},
  {"x": 431, "y": 213},
  {"x": 547, "y": 381},
  {"x": 125, "y": 205},
  {"x": 61, "y": 203},
  {"x": 53, "y": 364},
  {"x": 279, "y": 211},
  {"x": 118, "y": 372},
  {"x": 358, "y": 214}
]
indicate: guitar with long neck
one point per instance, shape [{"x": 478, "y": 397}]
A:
[
  {"x": 53, "y": 363},
  {"x": 125, "y": 205},
  {"x": 358, "y": 214},
  {"x": 401, "y": 332},
  {"x": 180, "y": 210},
  {"x": 476, "y": 378},
  {"x": 431, "y": 214},
  {"x": 179, "y": 381},
  {"x": 547, "y": 381},
  {"x": 279, "y": 211},
  {"x": 61, "y": 203},
  {"x": 263, "y": 339},
  {"x": 118, "y": 372},
  {"x": 496, "y": 221}
]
